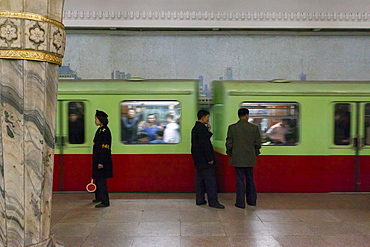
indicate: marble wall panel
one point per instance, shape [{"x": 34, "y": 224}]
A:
[
  {"x": 28, "y": 109},
  {"x": 15, "y": 5},
  {"x": 28, "y": 94},
  {"x": 13, "y": 150},
  {"x": 36, "y": 6},
  {"x": 34, "y": 120},
  {"x": 52, "y": 72},
  {"x": 56, "y": 9},
  {"x": 2, "y": 182}
]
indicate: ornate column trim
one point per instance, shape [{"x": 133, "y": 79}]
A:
[
  {"x": 31, "y": 36},
  {"x": 30, "y": 16},
  {"x": 30, "y": 55}
]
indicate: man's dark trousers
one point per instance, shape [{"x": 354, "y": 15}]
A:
[
  {"x": 206, "y": 183},
  {"x": 245, "y": 190}
]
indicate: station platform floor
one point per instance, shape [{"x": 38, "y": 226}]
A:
[{"x": 173, "y": 219}]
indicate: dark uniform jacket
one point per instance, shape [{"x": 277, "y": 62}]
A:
[
  {"x": 243, "y": 143},
  {"x": 201, "y": 146},
  {"x": 102, "y": 153}
]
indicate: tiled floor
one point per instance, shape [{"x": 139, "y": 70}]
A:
[{"x": 173, "y": 219}]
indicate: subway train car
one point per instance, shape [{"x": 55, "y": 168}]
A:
[
  {"x": 150, "y": 121},
  {"x": 315, "y": 135}
]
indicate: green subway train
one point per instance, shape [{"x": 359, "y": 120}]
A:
[{"x": 316, "y": 134}]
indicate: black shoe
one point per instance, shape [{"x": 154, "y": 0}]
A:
[
  {"x": 101, "y": 205},
  {"x": 96, "y": 200},
  {"x": 239, "y": 206},
  {"x": 202, "y": 203},
  {"x": 217, "y": 205}
]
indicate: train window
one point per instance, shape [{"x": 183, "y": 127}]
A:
[
  {"x": 76, "y": 120},
  {"x": 367, "y": 124},
  {"x": 150, "y": 122},
  {"x": 342, "y": 124},
  {"x": 278, "y": 121}
]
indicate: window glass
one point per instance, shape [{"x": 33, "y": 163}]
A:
[
  {"x": 278, "y": 122},
  {"x": 76, "y": 120},
  {"x": 367, "y": 124},
  {"x": 342, "y": 124},
  {"x": 150, "y": 122}
]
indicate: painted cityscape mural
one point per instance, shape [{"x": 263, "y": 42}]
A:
[{"x": 215, "y": 57}]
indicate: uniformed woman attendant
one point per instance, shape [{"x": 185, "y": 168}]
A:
[{"x": 102, "y": 159}]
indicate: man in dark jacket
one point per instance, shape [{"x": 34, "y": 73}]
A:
[
  {"x": 243, "y": 143},
  {"x": 102, "y": 159},
  {"x": 204, "y": 161},
  {"x": 129, "y": 127}
]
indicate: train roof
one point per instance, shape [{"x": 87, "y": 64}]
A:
[
  {"x": 283, "y": 87},
  {"x": 130, "y": 87}
]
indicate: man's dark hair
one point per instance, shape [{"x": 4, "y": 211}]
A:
[
  {"x": 287, "y": 120},
  {"x": 170, "y": 115},
  {"x": 242, "y": 112},
  {"x": 202, "y": 113}
]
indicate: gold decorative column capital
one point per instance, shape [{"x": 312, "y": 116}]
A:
[
  {"x": 31, "y": 36},
  {"x": 30, "y": 16}
]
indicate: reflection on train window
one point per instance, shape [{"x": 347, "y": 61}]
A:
[
  {"x": 367, "y": 124},
  {"x": 342, "y": 124},
  {"x": 76, "y": 120},
  {"x": 150, "y": 122},
  {"x": 278, "y": 121}
]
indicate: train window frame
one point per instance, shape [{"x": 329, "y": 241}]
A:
[
  {"x": 172, "y": 116},
  {"x": 76, "y": 113},
  {"x": 293, "y": 119}
]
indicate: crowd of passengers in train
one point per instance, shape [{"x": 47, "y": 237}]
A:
[{"x": 152, "y": 130}]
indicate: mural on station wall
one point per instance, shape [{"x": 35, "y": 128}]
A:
[
  {"x": 65, "y": 72},
  {"x": 216, "y": 57}
]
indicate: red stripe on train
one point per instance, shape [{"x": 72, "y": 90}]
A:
[
  {"x": 132, "y": 173},
  {"x": 300, "y": 174},
  {"x": 175, "y": 172}
]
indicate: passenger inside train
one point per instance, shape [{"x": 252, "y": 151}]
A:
[
  {"x": 277, "y": 122},
  {"x": 342, "y": 124},
  {"x": 161, "y": 124},
  {"x": 76, "y": 125},
  {"x": 367, "y": 124}
]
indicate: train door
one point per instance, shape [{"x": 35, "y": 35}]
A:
[
  {"x": 70, "y": 140},
  {"x": 352, "y": 137}
]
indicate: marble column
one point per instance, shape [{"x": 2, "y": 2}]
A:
[{"x": 32, "y": 42}]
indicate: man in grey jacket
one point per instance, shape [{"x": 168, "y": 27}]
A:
[{"x": 243, "y": 143}]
